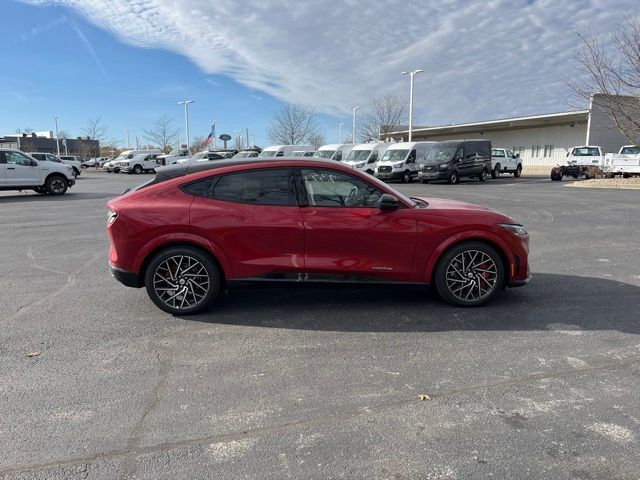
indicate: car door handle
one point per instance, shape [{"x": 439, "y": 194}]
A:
[{"x": 11, "y": 168}]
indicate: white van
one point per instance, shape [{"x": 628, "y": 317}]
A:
[
  {"x": 112, "y": 166},
  {"x": 402, "y": 161},
  {"x": 334, "y": 151},
  {"x": 283, "y": 150},
  {"x": 364, "y": 156}
]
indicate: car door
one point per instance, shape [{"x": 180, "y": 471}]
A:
[
  {"x": 254, "y": 219},
  {"x": 3, "y": 170},
  {"x": 511, "y": 160},
  {"x": 346, "y": 233},
  {"x": 21, "y": 170}
]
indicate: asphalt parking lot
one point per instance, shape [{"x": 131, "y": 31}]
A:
[{"x": 323, "y": 382}]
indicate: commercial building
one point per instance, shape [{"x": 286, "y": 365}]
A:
[
  {"x": 541, "y": 140},
  {"x": 45, "y": 142}
]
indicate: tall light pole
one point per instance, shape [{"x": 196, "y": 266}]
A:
[
  {"x": 128, "y": 139},
  {"x": 55, "y": 120},
  {"x": 340, "y": 130},
  {"x": 411, "y": 74},
  {"x": 353, "y": 131},
  {"x": 186, "y": 117}
]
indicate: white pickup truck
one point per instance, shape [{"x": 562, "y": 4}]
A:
[
  {"x": 142, "y": 162},
  {"x": 19, "y": 171},
  {"x": 626, "y": 162},
  {"x": 505, "y": 161}
]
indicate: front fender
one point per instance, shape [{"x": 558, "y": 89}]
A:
[
  {"x": 183, "y": 238},
  {"x": 482, "y": 235}
]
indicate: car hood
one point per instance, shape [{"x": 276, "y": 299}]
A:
[{"x": 447, "y": 206}]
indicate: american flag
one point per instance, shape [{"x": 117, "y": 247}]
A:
[{"x": 210, "y": 137}]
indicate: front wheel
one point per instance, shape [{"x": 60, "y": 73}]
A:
[
  {"x": 406, "y": 177},
  {"x": 495, "y": 173},
  {"x": 182, "y": 280},
  {"x": 469, "y": 274},
  {"x": 137, "y": 169},
  {"x": 453, "y": 178},
  {"x": 483, "y": 176},
  {"x": 518, "y": 171},
  {"x": 56, "y": 185}
]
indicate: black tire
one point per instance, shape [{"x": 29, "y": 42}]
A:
[
  {"x": 448, "y": 290},
  {"x": 406, "y": 176},
  {"x": 196, "y": 256},
  {"x": 56, "y": 185},
  {"x": 483, "y": 176},
  {"x": 137, "y": 169},
  {"x": 518, "y": 171},
  {"x": 495, "y": 173},
  {"x": 556, "y": 175},
  {"x": 625, "y": 175},
  {"x": 453, "y": 178}
]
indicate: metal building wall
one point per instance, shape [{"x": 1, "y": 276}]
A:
[{"x": 562, "y": 138}]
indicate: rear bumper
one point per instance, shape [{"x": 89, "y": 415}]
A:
[{"x": 130, "y": 279}]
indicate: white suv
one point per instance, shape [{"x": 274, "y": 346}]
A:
[
  {"x": 73, "y": 161},
  {"x": 19, "y": 171}
]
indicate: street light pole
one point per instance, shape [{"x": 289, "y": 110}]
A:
[
  {"x": 55, "y": 120},
  {"x": 128, "y": 139},
  {"x": 340, "y": 134},
  {"x": 186, "y": 117},
  {"x": 353, "y": 131},
  {"x": 411, "y": 74}
]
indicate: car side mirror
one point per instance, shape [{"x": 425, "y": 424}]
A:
[{"x": 388, "y": 203}]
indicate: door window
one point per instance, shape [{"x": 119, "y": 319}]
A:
[
  {"x": 257, "y": 187},
  {"x": 329, "y": 188},
  {"x": 374, "y": 157},
  {"x": 16, "y": 158},
  {"x": 459, "y": 155},
  {"x": 510, "y": 154}
]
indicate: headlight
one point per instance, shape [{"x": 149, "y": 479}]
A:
[
  {"x": 516, "y": 229},
  {"x": 444, "y": 166},
  {"x": 111, "y": 216},
  {"x": 398, "y": 165}
]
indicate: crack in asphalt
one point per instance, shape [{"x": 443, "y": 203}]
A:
[{"x": 130, "y": 454}]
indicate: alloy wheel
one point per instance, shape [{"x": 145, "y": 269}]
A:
[
  {"x": 181, "y": 282},
  {"x": 471, "y": 275},
  {"x": 57, "y": 185}
]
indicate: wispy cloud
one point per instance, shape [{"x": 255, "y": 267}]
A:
[
  {"x": 40, "y": 29},
  {"x": 257, "y": 97},
  {"x": 212, "y": 82},
  {"x": 87, "y": 44},
  {"x": 481, "y": 59}
]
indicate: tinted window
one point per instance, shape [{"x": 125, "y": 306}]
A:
[
  {"x": 16, "y": 158},
  {"x": 258, "y": 187},
  {"x": 329, "y": 188},
  {"x": 3, "y": 159},
  {"x": 200, "y": 188}
]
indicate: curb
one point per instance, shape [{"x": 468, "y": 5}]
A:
[{"x": 614, "y": 186}]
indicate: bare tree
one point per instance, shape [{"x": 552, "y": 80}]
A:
[
  {"x": 383, "y": 115},
  {"x": 610, "y": 66},
  {"x": 293, "y": 125},
  {"x": 63, "y": 134},
  {"x": 317, "y": 140},
  {"x": 197, "y": 143},
  {"x": 95, "y": 129},
  {"x": 162, "y": 133},
  {"x": 26, "y": 130}
]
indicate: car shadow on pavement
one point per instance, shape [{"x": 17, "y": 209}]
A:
[
  {"x": 549, "y": 302},
  {"x": 27, "y": 197}
]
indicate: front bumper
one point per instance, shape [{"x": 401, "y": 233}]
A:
[
  {"x": 433, "y": 175},
  {"x": 129, "y": 279},
  {"x": 392, "y": 175}
]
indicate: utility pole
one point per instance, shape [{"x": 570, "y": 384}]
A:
[
  {"x": 55, "y": 119},
  {"x": 353, "y": 131},
  {"x": 411, "y": 75},
  {"x": 340, "y": 140},
  {"x": 186, "y": 117}
]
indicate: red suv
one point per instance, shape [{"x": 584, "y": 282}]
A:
[{"x": 185, "y": 236}]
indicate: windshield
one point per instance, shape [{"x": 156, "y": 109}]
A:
[
  {"x": 324, "y": 153},
  {"x": 394, "y": 155},
  {"x": 442, "y": 153},
  {"x": 198, "y": 155},
  {"x": 175, "y": 152},
  {"x": 630, "y": 150},
  {"x": 585, "y": 152},
  {"x": 357, "y": 155},
  {"x": 122, "y": 156},
  {"x": 243, "y": 155},
  {"x": 268, "y": 153}
]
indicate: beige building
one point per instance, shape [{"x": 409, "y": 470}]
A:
[{"x": 541, "y": 140}]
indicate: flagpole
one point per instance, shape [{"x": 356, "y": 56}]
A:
[{"x": 213, "y": 131}]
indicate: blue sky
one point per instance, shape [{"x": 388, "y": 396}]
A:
[{"x": 130, "y": 61}]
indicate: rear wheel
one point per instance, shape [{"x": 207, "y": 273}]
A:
[
  {"x": 518, "y": 171},
  {"x": 56, "y": 185},
  {"x": 453, "y": 178},
  {"x": 406, "y": 177},
  {"x": 483, "y": 176},
  {"x": 182, "y": 280},
  {"x": 469, "y": 274},
  {"x": 137, "y": 169},
  {"x": 495, "y": 173}
]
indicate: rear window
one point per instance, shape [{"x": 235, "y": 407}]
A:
[
  {"x": 257, "y": 187},
  {"x": 630, "y": 150},
  {"x": 585, "y": 152},
  {"x": 497, "y": 153}
]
